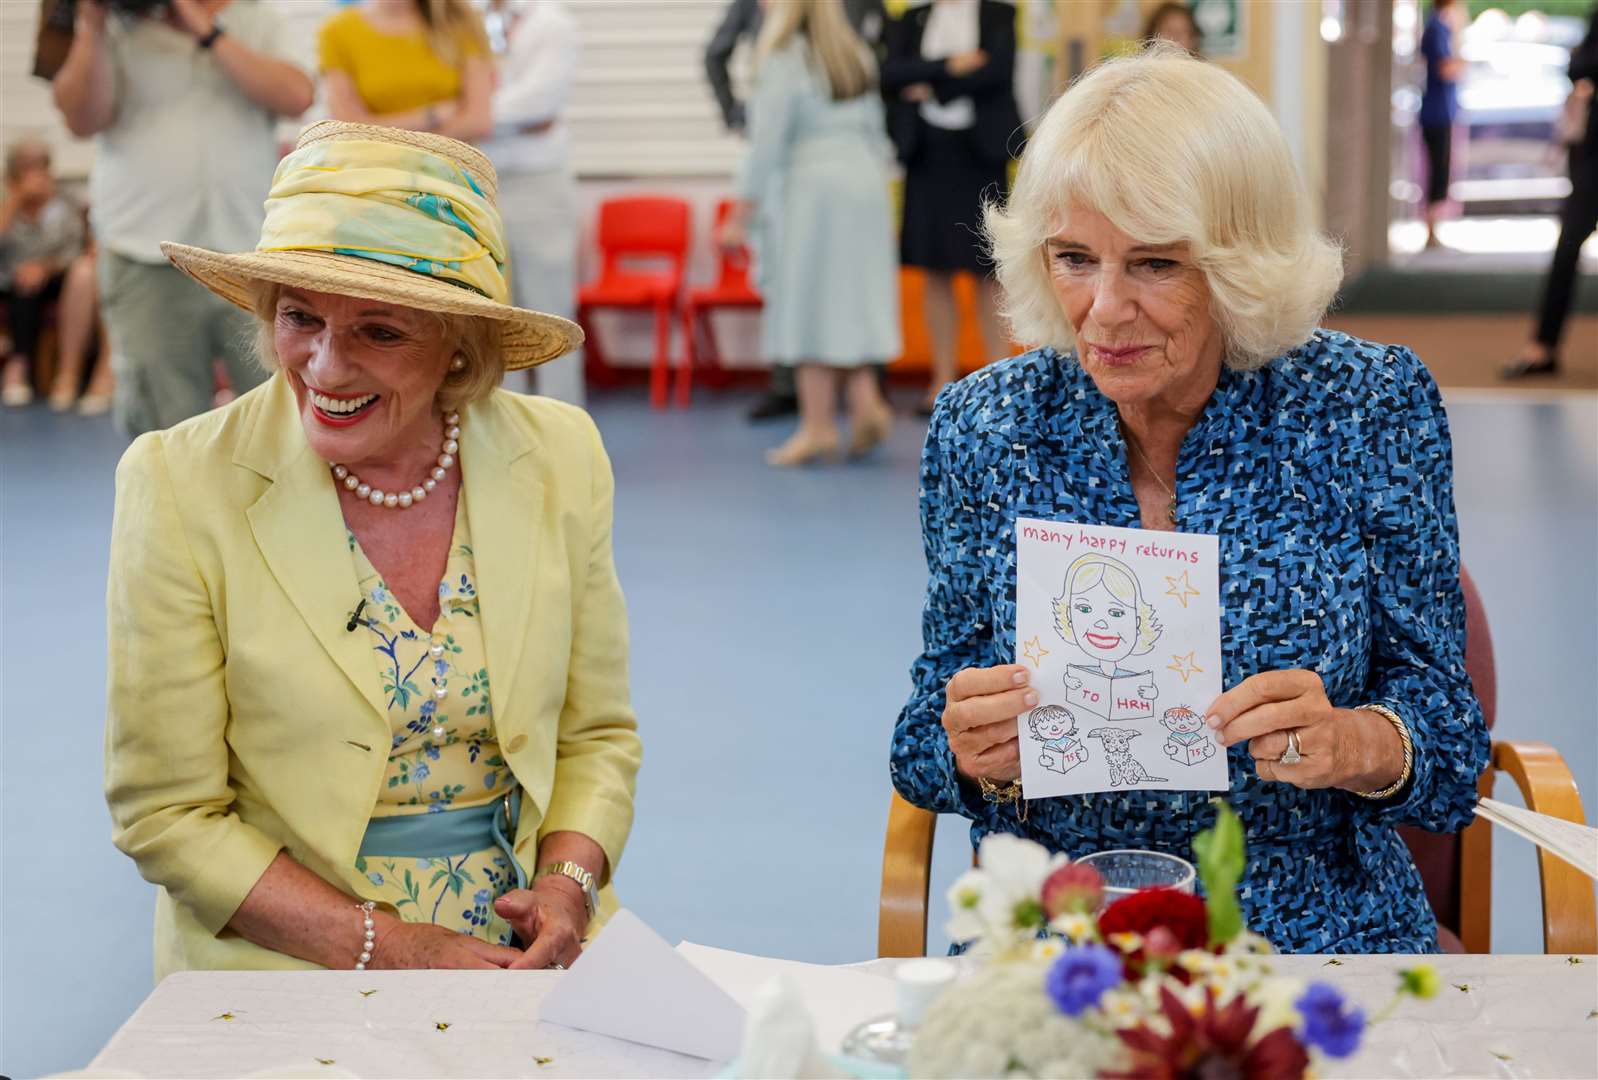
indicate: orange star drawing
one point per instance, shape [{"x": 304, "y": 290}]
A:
[
  {"x": 1180, "y": 587},
  {"x": 1184, "y": 666},
  {"x": 1034, "y": 652}
]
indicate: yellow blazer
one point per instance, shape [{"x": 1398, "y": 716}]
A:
[{"x": 244, "y": 718}]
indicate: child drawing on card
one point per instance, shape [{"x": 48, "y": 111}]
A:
[
  {"x": 1054, "y": 726},
  {"x": 1188, "y": 743},
  {"x": 1103, "y": 613},
  {"x": 1124, "y": 768}
]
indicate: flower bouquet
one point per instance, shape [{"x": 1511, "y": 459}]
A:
[{"x": 1159, "y": 984}]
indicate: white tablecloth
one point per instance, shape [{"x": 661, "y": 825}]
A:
[{"x": 1509, "y": 1016}]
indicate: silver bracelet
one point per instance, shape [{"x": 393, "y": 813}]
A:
[{"x": 371, "y": 934}]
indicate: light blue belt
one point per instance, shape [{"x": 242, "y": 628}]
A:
[{"x": 449, "y": 832}]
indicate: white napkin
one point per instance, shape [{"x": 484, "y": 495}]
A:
[{"x": 780, "y": 1038}]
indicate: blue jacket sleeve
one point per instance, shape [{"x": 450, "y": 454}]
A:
[
  {"x": 1417, "y": 651},
  {"x": 954, "y": 629}
]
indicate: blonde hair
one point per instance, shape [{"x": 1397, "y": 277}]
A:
[
  {"x": 842, "y": 55},
  {"x": 1172, "y": 150},
  {"x": 1090, "y": 570},
  {"x": 474, "y": 338},
  {"x": 454, "y": 29}
]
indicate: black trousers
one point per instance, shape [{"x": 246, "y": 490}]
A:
[
  {"x": 1439, "y": 139},
  {"x": 25, "y": 316},
  {"x": 1577, "y": 219}
]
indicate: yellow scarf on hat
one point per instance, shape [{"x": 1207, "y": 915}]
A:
[{"x": 391, "y": 203}]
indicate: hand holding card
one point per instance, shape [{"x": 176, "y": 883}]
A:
[{"x": 1120, "y": 632}]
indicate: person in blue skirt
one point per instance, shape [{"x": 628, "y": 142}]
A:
[{"x": 814, "y": 201}]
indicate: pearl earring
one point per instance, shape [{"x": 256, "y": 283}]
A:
[{"x": 458, "y": 364}]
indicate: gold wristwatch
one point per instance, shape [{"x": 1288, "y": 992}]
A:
[{"x": 583, "y": 878}]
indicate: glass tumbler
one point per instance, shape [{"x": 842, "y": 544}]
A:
[{"x": 1126, "y": 871}]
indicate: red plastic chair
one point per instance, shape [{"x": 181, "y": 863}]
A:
[
  {"x": 732, "y": 289},
  {"x": 633, "y": 228}
]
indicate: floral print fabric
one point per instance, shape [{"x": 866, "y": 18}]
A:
[
  {"x": 444, "y": 754},
  {"x": 1327, "y": 475}
]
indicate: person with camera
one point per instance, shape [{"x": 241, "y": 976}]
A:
[{"x": 182, "y": 98}]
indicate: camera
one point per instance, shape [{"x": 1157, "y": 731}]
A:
[{"x": 56, "y": 21}]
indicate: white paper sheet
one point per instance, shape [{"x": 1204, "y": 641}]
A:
[
  {"x": 838, "y": 997},
  {"x": 1575, "y": 844},
  {"x": 1121, "y": 629},
  {"x": 629, "y": 984}
]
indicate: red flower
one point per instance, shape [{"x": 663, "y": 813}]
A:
[
  {"x": 1212, "y": 1045},
  {"x": 1180, "y": 913},
  {"x": 1073, "y": 887},
  {"x": 1179, "y": 918}
]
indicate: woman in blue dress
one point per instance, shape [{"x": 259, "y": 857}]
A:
[
  {"x": 1160, "y": 246},
  {"x": 817, "y": 179}
]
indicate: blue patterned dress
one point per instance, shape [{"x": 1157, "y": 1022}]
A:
[{"x": 1328, "y": 477}]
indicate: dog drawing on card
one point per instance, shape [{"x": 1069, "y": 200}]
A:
[{"x": 1124, "y": 768}]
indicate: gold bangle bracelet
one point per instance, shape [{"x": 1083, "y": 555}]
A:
[
  {"x": 1409, "y": 753},
  {"x": 1009, "y": 793}
]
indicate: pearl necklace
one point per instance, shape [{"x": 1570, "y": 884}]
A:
[{"x": 404, "y": 500}]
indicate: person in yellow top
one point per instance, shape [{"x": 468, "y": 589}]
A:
[
  {"x": 368, "y": 692},
  {"x": 424, "y": 65}
]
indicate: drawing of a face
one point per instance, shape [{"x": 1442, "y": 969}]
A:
[
  {"x": 1056, "y": 724},
  {"x": 1106, "y": 628},
  {"x": 1182, "y": 720},
  {"x": 1051, "y": 722}
]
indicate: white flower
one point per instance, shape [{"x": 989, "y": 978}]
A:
[
  {"x": 1124, "y": 1008},
  {"x": 1076, "y": 925},
  {"x": 1017, "y": 867},
  {"x": 967, "y": 919},
  {"x": 1277, "y": 1000},
  {"x": 1001, "y": 901},
  {"x": 1000, "y": 1022},
  {"x": 1048, "y": 948}
]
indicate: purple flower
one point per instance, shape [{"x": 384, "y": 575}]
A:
[
  {"x": 1081, "y": 976},
  {"x": 1331, "y": 1024}
]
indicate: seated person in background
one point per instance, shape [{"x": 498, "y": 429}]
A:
[
  {"x": 1161, "y": 247},
  {"x": 368, "y": 662},
  {"x": 423, "y": 65},
  {"x": 40, "y": 261}
]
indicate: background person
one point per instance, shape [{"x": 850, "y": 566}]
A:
[
  {"x": 817, "y": 177},
  {"x": 183, "y": 105},
  {"x": 1174, "y": 22},
  {"x": 1578, "y": 217},
  {"x": 531, "y": 151},
  {"x": 1159, "y": 241},
  {"x": 1439, "y": 105},
  {"x": 949, "y": 76},
  {"x": 368, "y": 652},
  {"x": 741, "y": 22},
  {"x": 423, "y": 65},
  {"x": 41, "y": 243}
]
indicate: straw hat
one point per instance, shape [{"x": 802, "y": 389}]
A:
[{"x": 528, "y": 337}]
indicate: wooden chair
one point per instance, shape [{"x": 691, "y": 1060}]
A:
[{"x": 1456, "y": 868}]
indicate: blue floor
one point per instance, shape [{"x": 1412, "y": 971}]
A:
[{"x": 774, "y": 616}]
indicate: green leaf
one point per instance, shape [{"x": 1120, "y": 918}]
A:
[{"x": 1221, "y": 857}]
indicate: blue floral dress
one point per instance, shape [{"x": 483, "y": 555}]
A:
[
  {"x": 1328, "y": 477},
  {"x": 444, "y": 753}
]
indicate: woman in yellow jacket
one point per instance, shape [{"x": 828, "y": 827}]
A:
[{"x": 368, "y": 660}]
